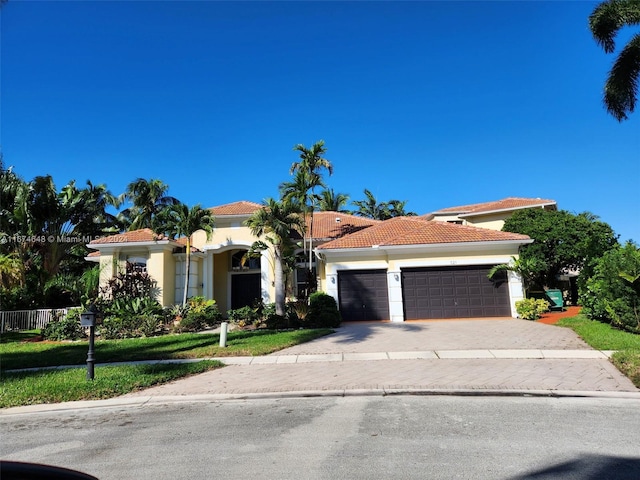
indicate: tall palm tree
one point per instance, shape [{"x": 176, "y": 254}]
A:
[
  {"x": 371, "y": 208},
  {"x": 276, "y": 221},
  {"x": 621, "y": 86},
  {"x": 180, "y": 220},
  {"x": 148, "y": 197},
  {"x": 397, "y": 209},
  {"x": 312, "y": 162},
  {"x": 333, "y": 202}
]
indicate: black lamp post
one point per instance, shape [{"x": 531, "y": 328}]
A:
[{"x": 88, "y": 319}]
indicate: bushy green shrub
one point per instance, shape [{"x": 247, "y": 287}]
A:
[
  {"x": 202, "y": 313},
  {"x": 612, "y": 293},
  {"x": 323, "y": 312},
  {"x": 531, "y": 308},
  {"x": 113, "y": 328},
  {"x": 64, "y": 327},
  {"x": 277, "y": 322},
  {"x": 244, "y": 316}
]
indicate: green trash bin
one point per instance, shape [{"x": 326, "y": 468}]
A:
[{"x": 555, "y": 299}]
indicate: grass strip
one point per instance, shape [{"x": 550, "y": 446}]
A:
[
  {"x": 54, "y": 386},
  {"x": 17, "y": 353},
  {"x": 603, "y": 336}
]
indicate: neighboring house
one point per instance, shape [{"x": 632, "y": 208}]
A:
[
  {"x": 490, "y": 214},
  {"x": 434, "y": 266}
]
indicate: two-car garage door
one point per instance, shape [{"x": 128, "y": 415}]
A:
[
  {"x": 434, "y": 292},
  {"x": 454, "y": 292}
]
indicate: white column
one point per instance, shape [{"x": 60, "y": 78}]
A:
[
  {"x": 266, "y": 279},
  {"x": 207, "y": 275},
  {"x": 516, "y": 291},
  {"x": 394, "y": 286}
]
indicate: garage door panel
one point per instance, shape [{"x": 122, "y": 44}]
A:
[
  {"x": 363, "y": 295},
  {"x": 454, "y": 292}
]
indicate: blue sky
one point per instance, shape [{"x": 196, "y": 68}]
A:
[{"x": 436, "y": 103}]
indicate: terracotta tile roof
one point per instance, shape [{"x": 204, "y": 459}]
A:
[
  {"x": 93, "y": 254},
  {"x": 142, "y": 235},
  {"x": 511, "y": 203},
  {"x": 335, "y": 225},
  {"x": 183, "y": 241},
  {"x": 418, "y": 231},
  {"x": 236, "y": 208}
]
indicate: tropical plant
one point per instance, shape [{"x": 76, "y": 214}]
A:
[
  {"x": 311, "y": 163},
  {"x": 330, "y": 201},
  {"x": 528, "y": 269},
  {"x": 371, "y": 208},
  {"x": 64, "y": 327},
  {"x": 276, "y": 221},
  {"x": 531, "y": 308},
  {"x": 148, "y": 198},
  {"x": 621, "y": 86},
  {"x": 181, "y": 221},
  {"x": 612, "y": 293}
]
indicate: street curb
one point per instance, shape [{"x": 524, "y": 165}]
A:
[{"x": 141, "y": 401}]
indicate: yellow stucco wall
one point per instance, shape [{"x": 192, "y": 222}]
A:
[{"x": 494, "y": 221}]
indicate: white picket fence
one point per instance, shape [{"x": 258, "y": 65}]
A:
[{"x": 28, "y": 319}]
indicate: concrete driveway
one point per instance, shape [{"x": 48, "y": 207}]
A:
[{"x": 473, "y": 334}]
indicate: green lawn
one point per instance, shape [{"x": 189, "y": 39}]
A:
[
  {"x": 53, "y": 386},
  {"x": 604, "y": 337},
  {"x": 19, "y": 350},
  {"x": 17, "y": 353}
]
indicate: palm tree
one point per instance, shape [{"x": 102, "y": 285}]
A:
[
  {"x": 396, "y": 208},
  {"x": 312, "y": 162},
  {"x": 371, "y": 208},
  {"x": 527, "y": 268},
  {"x": 621, "y": 86},
  {"x": 180, "y": 220},
  {"x": 148, "y": 197},
  {"x": 333, "y": 202},
  {"x": 276, "y": 221}
]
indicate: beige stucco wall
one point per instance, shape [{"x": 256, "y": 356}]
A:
[
  {"x": 494, "y": 221},
  {"x": 223, "y": 235},
  {"x": 161, "y": 267}
]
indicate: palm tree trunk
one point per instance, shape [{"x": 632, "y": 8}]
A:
[
  {"x": 187, "y": 272},
  {"x": 279, "y": 281}
]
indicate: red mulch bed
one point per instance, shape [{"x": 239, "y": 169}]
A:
[{"x": 552, "y": 317}]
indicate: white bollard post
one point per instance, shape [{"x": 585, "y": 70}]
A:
[{"x": 223, "y": 334}]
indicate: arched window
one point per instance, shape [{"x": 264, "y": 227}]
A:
[{"x": 242, "y": 264}]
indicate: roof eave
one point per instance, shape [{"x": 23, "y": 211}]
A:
[
  {"x": 501, "y": 210},
  {"x": 490, "y": 244},
  {"x": 99, "y": 246}
]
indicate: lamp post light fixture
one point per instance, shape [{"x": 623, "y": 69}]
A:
[{"x": 88, "y": 319}]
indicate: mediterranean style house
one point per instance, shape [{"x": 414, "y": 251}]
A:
[{"x": 421, "y": 267}]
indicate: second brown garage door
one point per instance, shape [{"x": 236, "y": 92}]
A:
[
  {"x": 454, "y": 292},
  {"x": 363, "y": 295}
]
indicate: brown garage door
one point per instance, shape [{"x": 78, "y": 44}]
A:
[
  {"x": 363, "y": 295},
  {"x": 454, "y": 292}
]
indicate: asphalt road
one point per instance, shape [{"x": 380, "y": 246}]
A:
[{"x": 365, "y": 437}]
